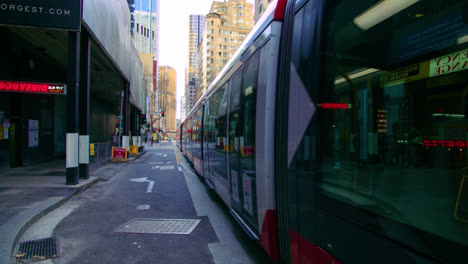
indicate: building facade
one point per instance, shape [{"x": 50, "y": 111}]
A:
[
  {"x": 227, "y": 25},
  {"x": 167, "y": 98},
  {"x": 145, "y": 26},
  {"x": 260, "y": 7},
  {"x": 65, "y": 80}
]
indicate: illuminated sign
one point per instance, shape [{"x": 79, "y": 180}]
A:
[
  {"x": 30, "y": 87},
  {"x": 445, "y": 143},
  {"x": 382, "y": 121},
  {"x": 57, "y": 14},
  {"x": 334, "y": 106},
  {"x": 453, "y": 62}
]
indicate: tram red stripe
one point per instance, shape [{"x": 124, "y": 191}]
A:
[
  {"x": 303, "y": 251},
  {"x": 269, "y": 235}
]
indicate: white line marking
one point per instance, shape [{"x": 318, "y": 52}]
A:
[
  {"x": 180, "y": 169},
  {"x": 165, "y": 155},
  {"x": 150, "y": 187},
  {"x": 145, "y": 179}
]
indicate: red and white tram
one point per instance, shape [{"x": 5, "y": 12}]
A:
[{"x": 338, "y": 132}]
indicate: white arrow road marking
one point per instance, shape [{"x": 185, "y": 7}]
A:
[
  {"x": 165, "y": 155},
  {"x": 145, "y": 179},
  {"x": 180, "y": 169}
]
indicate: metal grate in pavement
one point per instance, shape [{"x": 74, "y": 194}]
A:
[
  {"x": 37, "y": 250},
  {"x": 159, "y": 226}
]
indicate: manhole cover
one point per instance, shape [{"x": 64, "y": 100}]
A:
[
  {"x": 159, "y": 226},
  {"x": 37, "y": 250}
]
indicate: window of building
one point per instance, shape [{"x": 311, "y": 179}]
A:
[
  {"x": 212, "y": 38},
  {"x": 212, "y": 61},
  {"x": 219, "y": 61},
  {"x": 241, "y": 14},
  {"x": 219, "y": 32},
  {"x": 212, "y": 31},
  {"x": 141, "y": 30},
  {"x": 153, "y": 35},
  {"x": 240, "y": 21},
  {"x": 224, "y": 47},
  {"x": 219, "y": 53},
  {"x": 225, "y": 40},
  {"x": 138, "y": 25},
  {"x": 212, "y": 23},
  {"x": 211, "y": 53},
  {"x": 219, "y": 46}
]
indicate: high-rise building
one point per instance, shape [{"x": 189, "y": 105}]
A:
[
  {"x": 190, "y": 93},
  {"x": 145, "y": 26},
  {"x": 167, "y": 97},
  {"x": 260, "y": 7},
  {"x": 227, "y": 25},
  {"x": 196, "y": 27}
]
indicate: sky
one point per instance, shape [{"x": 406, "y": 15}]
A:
[{"x": 173, "y": 36}]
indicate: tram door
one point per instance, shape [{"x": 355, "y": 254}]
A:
[
  {"x": 208, "y": 143},
  {"x": 242, "y": 119}
]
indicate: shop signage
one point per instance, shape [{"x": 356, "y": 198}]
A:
[
  {"x": 56, "y": 14},
  {"x": 119, "y": 154},
  {"x": 449, "y": 63},
  {"x": 30, "y": 87}
]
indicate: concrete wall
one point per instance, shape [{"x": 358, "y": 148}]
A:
[{"x": 109, "y": 22}]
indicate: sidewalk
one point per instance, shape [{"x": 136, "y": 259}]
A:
[{"x": 28, "y": 193}]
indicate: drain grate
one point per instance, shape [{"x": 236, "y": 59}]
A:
[
  {"x": 37, "y": 250},
  {"x": 159, "y": 226}
]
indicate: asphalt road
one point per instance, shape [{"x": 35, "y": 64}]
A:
[{"x": 158, "y": 179}]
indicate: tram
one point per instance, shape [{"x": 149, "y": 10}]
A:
[{"x": 337, "y": 133}]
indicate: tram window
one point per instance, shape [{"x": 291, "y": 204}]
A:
[
  {"x": 391, "y": 117},
  {"x": 220, "y": 111},
  {"x": 249, "y": 103},
  {"x": 396, "y": 145}
]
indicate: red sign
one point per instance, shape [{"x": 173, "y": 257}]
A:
[
  {"x": 248, "y": 151},
  {"x": 334, "y": 106},
  {"x": 445, "y": 143},
  {"x": 31, "y": 87},
  {"x": 119, "y": 154}
]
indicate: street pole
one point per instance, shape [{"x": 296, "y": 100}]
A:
[
  {"x": 73, "y": 75},
  {"x": 120, "y": 117}
]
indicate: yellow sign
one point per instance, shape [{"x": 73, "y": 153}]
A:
[
  {"x": 133, "y": 150},
  {"x": 449, "y": 63},
  {"x": 91, "y": 149}
]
